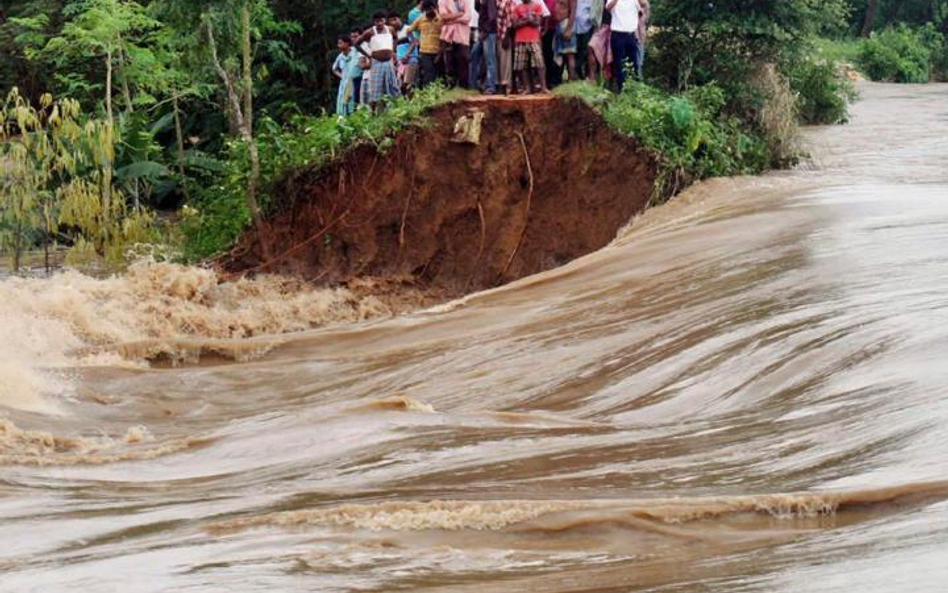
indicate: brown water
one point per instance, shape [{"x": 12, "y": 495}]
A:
[{"x": 746, "y": 392}]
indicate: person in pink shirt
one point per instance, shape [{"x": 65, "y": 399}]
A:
[{"x": 456, "y": 39}]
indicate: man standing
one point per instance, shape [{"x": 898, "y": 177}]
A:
[
  {"x": 625, "y": 46},
  {"x": 486, "y": 48},
  {"x": 456, "y": 39}
]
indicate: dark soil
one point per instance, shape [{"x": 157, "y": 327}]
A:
[{"x": 548, "y": 182}]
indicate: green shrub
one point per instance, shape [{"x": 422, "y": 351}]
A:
[
  {"x": 824, "y": 94},
  {"x": 901, "y": 54},
  {"x": 938, "y": 45},
  {"x": 690, "y": 133}
]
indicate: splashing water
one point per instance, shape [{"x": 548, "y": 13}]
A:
[{"x": 744, "y": 392}]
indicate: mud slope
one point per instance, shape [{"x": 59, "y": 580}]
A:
[{"x": 547, "y": 182}]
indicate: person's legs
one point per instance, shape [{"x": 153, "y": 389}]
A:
[
  {"x": 411, "y": 73},
  {"x": 462, "y": 56},
  {"x": 536, "y": 59},
  {"x": 639, "y": 58},
  {"x": 520, "y": 66},
  {"x": 571, "y": 67},
  {"x": 505, "y": 67},
  {"x": 621, "y": 56},
  {"x": 477, "y": 54},
  {"x": 450, "y": 65},
  {"x": 582, "y": 51},
  {"x": 490, "y": 57},
  {"x": 426, "y": 63},
  {"x": 565, "y": 49},
  {"x": 554, "y": 73}
]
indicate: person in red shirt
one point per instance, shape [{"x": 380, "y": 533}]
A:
[{"x": 528, "y": 56}]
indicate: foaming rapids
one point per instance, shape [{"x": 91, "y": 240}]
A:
[
  {"x": 569, "y": 515},
  {"x": 153, "y": 310},
  {"x": 744, "y": 392},
  {"x": 41, "y": 448}
]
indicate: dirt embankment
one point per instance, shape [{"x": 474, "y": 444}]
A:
[{"x": 547, "y": 182}]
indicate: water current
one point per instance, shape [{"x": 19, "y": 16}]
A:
[{"x": 746, "y": 391}]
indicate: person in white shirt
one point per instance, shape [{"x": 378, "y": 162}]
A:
[{"x": 625, "y": 44}]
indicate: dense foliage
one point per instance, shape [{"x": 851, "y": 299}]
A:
[
  {"x": 689, "y": 132},
  {"x": 823, "y": 94},
  {"x": 204, "y": 105},
  {"x": 902, "y": 54},
  {"x": 895, "y": 40}
]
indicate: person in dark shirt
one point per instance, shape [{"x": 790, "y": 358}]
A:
[{"x": 485, "y": 46}]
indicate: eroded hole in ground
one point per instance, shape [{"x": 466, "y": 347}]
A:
[{"x": 450, "y": 218}]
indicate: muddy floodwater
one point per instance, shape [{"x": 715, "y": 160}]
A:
[{"x": 747, "y": 391}]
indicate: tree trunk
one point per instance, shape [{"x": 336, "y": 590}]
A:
[
  {"x": 179, "y": 139},
  {"x": 871, "y": 9},
  {"x": 17, "y": 243},
  {"x": 126, "y": 91},
  {"x": 109, "y": 133},
  {"x": 247, "y": 60},
  {"x": 108, "y": 86},
  {"x": 248, "y": 117},
  {"x": 243, "y": 120}
]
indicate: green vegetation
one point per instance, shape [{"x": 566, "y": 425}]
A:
[
  {"x": 841, "y": 49},
  {"x": 58, "y": 173},
  {"x": 688, "y": 131},
  {"x": 892, "y": 40},
  {"x": 902, "y": 54},
  {"x": 824, "y": 94},
  {"x": 201, "y": 107}
]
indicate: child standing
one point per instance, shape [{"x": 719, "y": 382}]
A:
[
  {"x": 528, "y": 56},
  {"x": 345, "y": 68},
  {"x": 429, "y": 41},
  {"x": 354, "y": 35}
]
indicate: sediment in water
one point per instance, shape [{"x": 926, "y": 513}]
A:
[{"x": 547, "y": 181}]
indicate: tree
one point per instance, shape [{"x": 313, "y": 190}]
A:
[
  {"x": 700, "y": 41},
  {"x": 57, "y": 171},
  {"x": 238, "y": 84},
  {"x": 871, "y": 9}
]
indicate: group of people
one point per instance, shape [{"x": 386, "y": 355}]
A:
[{"x": 495, "y": 46}]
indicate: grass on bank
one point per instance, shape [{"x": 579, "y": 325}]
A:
[{"x": 689, "y": 133}]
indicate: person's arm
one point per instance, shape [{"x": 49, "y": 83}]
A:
[
  {"x": 361, "y": 49},
  {"x": 447, "y": 15},
  {"x": 611, "y": 4},
  {"x": 571, "y": 23},
  {"x": 467, "y": 15},
  {"x": 362, "y": 39}
]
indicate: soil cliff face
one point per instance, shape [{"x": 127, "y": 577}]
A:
[{"x": 547, "y": 182}]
